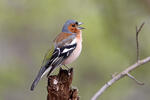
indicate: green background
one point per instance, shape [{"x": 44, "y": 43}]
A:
[{"x": 28, "y": 27}]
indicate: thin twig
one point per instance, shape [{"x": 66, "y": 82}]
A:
[
  {"x": 132, "y": 77},
  {"x": 137, "y": 40},
  {"x": 127, "y": 70}
]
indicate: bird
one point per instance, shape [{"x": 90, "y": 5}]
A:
[{"x": 65, "y": 49}]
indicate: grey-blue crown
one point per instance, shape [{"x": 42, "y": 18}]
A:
[{"x": 65, "y": 27}]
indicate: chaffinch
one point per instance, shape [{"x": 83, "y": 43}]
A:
[{"x": 65, "y": 49}]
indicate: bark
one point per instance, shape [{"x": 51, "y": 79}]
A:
[{"x": 59, "y": 86}]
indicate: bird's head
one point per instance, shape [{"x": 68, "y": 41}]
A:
[{"x": 72, "y": 26}]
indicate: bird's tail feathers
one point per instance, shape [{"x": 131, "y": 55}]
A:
[{"x": 41, "y": 73}]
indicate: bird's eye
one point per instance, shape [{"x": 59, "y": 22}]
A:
[
  {"x": 73, "y": 25},
  {"x": 76, "y": 23}
]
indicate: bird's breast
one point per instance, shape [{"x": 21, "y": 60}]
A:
[{"x": 75, "y": 54}]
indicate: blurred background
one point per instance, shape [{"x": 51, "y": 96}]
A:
[{"x": 28, "y": 27}]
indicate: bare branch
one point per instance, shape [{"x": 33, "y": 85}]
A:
[
  {"x": 137, "y": 40},
  {"x": 117, "y": 77},
  {"x": 132, "y": 77}
]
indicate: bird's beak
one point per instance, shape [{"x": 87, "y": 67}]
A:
[
  {"x": 80, "y": 23},
  {"x": 80, "y": 28}
]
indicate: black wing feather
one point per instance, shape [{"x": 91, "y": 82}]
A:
[{"x": 59, "y": 56}]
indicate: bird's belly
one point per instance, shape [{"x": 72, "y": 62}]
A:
[{"x": 74, "y": 55}]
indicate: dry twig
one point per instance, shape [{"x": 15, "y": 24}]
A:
[
  {"x": 132, "y": 77},
  {"x": 127, "y": 70},
  {"x": 137, "y": 40}
]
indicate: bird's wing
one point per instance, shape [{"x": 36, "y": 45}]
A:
[
  {"x": 48, "y": 55},
  {"x": 61, "y": 49}
]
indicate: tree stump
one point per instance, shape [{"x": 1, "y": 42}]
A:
[{"x": 59, "y": 86}]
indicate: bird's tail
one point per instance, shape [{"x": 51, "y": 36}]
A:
[{"x": 41, "y": 73}]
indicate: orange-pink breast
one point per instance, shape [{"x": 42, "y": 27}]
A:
[{"x": 75, "y": 54}]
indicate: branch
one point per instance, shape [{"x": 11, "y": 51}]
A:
[
  {"x": 137, "y": 40},
  {"x": 119, "y": 76},
  {"x": 127, "y": 70},
  {"x": 132, "y": 77}
]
